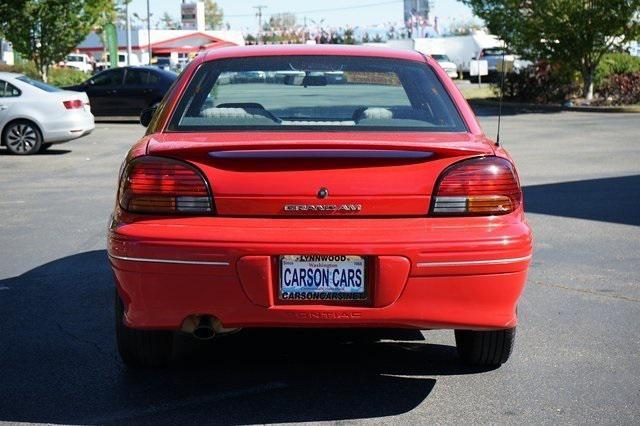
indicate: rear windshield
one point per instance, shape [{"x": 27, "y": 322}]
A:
[
  {"x": 315, "y": 93},
  {"x": 40, "y": 85}
]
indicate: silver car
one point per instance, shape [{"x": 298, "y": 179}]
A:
[{"x": 35, "y": 115}]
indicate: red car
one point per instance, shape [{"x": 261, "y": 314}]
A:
[{"x": 316, "y": 186}]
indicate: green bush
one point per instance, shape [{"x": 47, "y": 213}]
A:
[
  {"x": 541, "y": 82},
  {"x": 66, "y": 76},
  {"x": 615, "y": 63},
  {"x": 57, "y": 76},
  {"x": 26, "y": 68}
]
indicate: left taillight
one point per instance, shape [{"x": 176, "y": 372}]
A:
[
  {"x": 164, "y": 186},
  {"x": 74, "y": 104}
]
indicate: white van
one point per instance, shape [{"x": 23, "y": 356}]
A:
[{"x": 79, "y": 61}]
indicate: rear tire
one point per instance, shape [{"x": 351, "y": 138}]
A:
[
  {"x": 22, "y": 137},
  {"x": 485, "y": 348},
  {"x": 141, "y": 348}
]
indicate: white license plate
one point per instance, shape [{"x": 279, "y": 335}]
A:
[{"x": 320, "y": 277}]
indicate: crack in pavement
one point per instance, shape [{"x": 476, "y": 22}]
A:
[{"x": 87, "y": 342}]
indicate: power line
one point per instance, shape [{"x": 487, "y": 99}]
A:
[{"x": 333, "y": 9}]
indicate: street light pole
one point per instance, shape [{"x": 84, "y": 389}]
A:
[
  {"x": 128, "y": 32},
  {"x": 149, "y": 31}
]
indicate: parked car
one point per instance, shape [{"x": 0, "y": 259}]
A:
[
  {"x": 376, "y": 201},
  {"x": 35, "y": 115},
  {"x": 105, "y": 63},
  {"x": 449, "y": 67},
  {"x": 163, "y": 63},
  {"x": 79, "y": 61},
  {"x": 126, "y": 91}
]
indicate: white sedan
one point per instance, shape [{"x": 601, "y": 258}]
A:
[
  {"x": 450, "y": 68},
  {"x": 35, "y": 115}
]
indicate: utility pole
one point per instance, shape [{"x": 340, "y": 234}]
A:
[
  {"x": 126, "y": 9},
  {"x": 149, "y": 30},
  {"x": 259, "y": 15}
]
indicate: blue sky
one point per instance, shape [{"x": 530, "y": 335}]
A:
[{"x": 241, "y": 15}]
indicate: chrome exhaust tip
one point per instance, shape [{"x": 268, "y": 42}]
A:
[
  {"x": 204, "y": 327},
  {"x": 204, "y": 330}
]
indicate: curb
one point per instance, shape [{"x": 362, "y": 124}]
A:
[
  {"x": 116, "y": 119},
  {"x": 632, "y": 109}
]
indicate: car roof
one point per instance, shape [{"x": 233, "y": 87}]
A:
[
  {"x": 312, "y": 49},
  {"x": 144, "y": 67}
]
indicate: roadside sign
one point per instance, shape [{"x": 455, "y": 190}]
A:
[{"x": 479, "y": 68}]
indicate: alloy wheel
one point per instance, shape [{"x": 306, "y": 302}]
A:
[{"x": 22, "y": 138}]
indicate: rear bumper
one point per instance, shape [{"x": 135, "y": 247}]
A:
[
  {"x": 71, "y": 126},
  {"x": 425, "y": 273}
]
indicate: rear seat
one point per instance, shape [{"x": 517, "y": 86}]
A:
[{"x": 231, "y": 113}]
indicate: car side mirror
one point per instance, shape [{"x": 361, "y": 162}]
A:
[{"x": 147, "y": 115}]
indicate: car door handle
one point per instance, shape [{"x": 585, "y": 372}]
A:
[
  {"x": 4, "y": 107},
  {"x": 112, "y": 92}
]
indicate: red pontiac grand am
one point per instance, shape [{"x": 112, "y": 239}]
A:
[{"x": 316, "y": 186}]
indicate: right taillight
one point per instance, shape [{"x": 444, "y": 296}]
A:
[
  {"x": 163, "y": 185},
  {"x": 479, "y": 187}
]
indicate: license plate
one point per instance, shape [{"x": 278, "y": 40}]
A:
[{"x": 320, "y": 277}]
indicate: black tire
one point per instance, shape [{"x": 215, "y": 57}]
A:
[
  {"x": 485, "y": 348},
  {"x": 45, "y": 146},
  {"x": 22, "y": 137},
  {"x": 142, "y": 348}
]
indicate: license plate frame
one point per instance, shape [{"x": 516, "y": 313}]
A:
[{"x": 325, "y": 294}]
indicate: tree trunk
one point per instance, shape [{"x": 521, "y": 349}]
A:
[
  {"x": 587, "y": 88},
  {"x": 44, "y": 72}
]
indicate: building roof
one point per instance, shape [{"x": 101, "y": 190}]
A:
[
  {"x": 192, "y": 42},
  {"x": 167, "y": 40}
]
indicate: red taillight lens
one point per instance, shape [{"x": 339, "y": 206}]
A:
[
  {"x": 163, "y": 185},
  {"x": 480, "y": 186},
  {"x": 74, "y": 104}
]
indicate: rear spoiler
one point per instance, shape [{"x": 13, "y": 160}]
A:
[
  {"x": 322, "y": 153},
  {"x": 236, "y": 149}
]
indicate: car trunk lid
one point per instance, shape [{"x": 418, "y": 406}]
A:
[{"x": 330, "y": 174}]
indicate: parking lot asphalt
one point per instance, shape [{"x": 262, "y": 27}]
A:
[{"x": 576, "y": 359}]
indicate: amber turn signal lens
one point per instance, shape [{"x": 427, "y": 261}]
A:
[{"x": 489, "y": 204}]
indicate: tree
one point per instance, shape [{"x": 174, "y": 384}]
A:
[
  {"x": 349, "y": 37},
  {"x": 574, "y": 33},
  {"x": 45, "y": 31},
  {"x": 213, "y": 15},
  {"x": 167, "y": 22}
]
